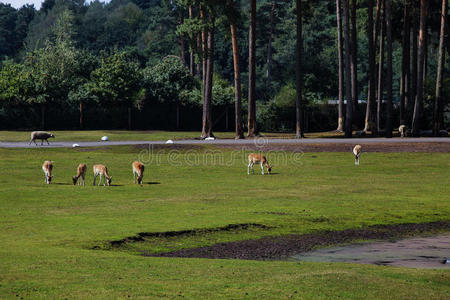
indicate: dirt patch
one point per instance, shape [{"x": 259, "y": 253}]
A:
[
  {"x": 286, "y": 246},
  {"x": 277, "y": 213},
  {"x": 167, "y": 147},
  {"x": 441, "y": 147},
  {"x": 422, "y": 252},
  {"x": 140, "y": 237}
]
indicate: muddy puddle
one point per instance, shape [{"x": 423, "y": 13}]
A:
[{"x": 424, "y": 252}]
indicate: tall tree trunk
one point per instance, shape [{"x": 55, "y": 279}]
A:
[
  {"x": 191, "y": 53},
  {"x": 438, "y": 110},
  {"x": 348, "y": 78},
  {"x": 199, "y": 47},
  {"x": 405, "y": 80},
  {"x": 178, "y": 116},
  {"x": 368, "y": 121},
  {"x": 269, "y": 44},
  {"x": 425, "y": 68},
  {"x": 298, "y": 103},
  {"x": 183, "y": 58},
  {"x": 340, "y": 126},
  {"x": 380, "y": 73},
  {"x": 81, "y": 114},
  {"x": 237, "y": 74},
  {"x": 411, "y": 104},
  {"x": 378, "y": 17},
  {"x": 226, "y": 117},
  {"x": 129, "y": 117},
  {"x": 204, "y": 51},
  {"x": 251, "y": 72},
  {"x": 180, "y": 21},
  {"x": 42, "y": 116},
  {"x": 207, "y": 116},
  {"x": 389, "y": 69},
  {"x": 421, "y": 60},
  {"x": 374, "y": 107},
  {"x": 425, "y": 60},
  {"x": 354, "y": 61}
]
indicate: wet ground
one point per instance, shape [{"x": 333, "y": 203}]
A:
[
  {"x": 423, "y": 252},
  {"x": 285, "y": 247}
]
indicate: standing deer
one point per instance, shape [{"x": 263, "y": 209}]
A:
[
  {"x": 138, "y": 170},
  {"x": 357, "y": 152},
  {"x": 47, "y": 167},
  {"x": 81, "y": 172},
  {"x": 254, "y": 158},
  {"x": 103, "y": 172}
]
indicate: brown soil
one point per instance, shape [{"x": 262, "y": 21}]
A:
[
  {"x": 286, "y": 246},
  {"x": 140, "y": 237},
  {"x": 346, "y": 147}
]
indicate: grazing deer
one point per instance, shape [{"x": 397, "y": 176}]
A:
[
  {"x": 47, "y": 167},
  {"x": 357, "y": 152},
  {"x": 138, "y": 170},
  {"x": 254, "y": 158},
  {"x": 103, "y": 172},
  {"x": 402, "y": 129},
  {"x": 81, "y": 172}
]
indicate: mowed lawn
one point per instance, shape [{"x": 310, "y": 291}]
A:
[
  {"x": 48, "y": 233},
  {"x": 137, "y": 135}
]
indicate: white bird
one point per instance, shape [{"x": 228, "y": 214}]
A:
[
  {"x": 75, "y": 145},
  {"x": 210, "y": 138},
  {"x": 105, "y": 138},
  {"x": 169, "y": 142}
]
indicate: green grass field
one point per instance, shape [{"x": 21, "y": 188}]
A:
[
  {"x": 48, "y": 232},
  {"x": 135, "y": 135}
]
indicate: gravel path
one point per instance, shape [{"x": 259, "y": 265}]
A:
[{"x": 256, "y": 142}]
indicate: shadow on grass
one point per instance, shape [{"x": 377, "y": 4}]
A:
[
  {"x": 265, "y": 174},
  {"x": 154, "y": 182},
  {"x": 107, "y": 185}
]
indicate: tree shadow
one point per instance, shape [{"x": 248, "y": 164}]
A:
[{"x": 265, "y": 174}]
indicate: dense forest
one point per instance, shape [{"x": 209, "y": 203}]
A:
[{"x": 249, "y": 66}]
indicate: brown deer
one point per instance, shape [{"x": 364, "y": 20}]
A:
[
  {"x": 357, "y": 152},
  {"x": 102, "y": 171},
  {"x": 260, "y": 159},
  {"x": 47, "y": 167},
  {"x": 138, "y": 170},
  {"x": 81, "y": 172}
]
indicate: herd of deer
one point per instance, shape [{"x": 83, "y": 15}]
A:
[
  {"x": 138, "y": 169},
  {"x": 99, "y": 170}
]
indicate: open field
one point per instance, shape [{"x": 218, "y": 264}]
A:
[
  {"x": 136, "y": 135},
  {"x": 56, "y": 238}
]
